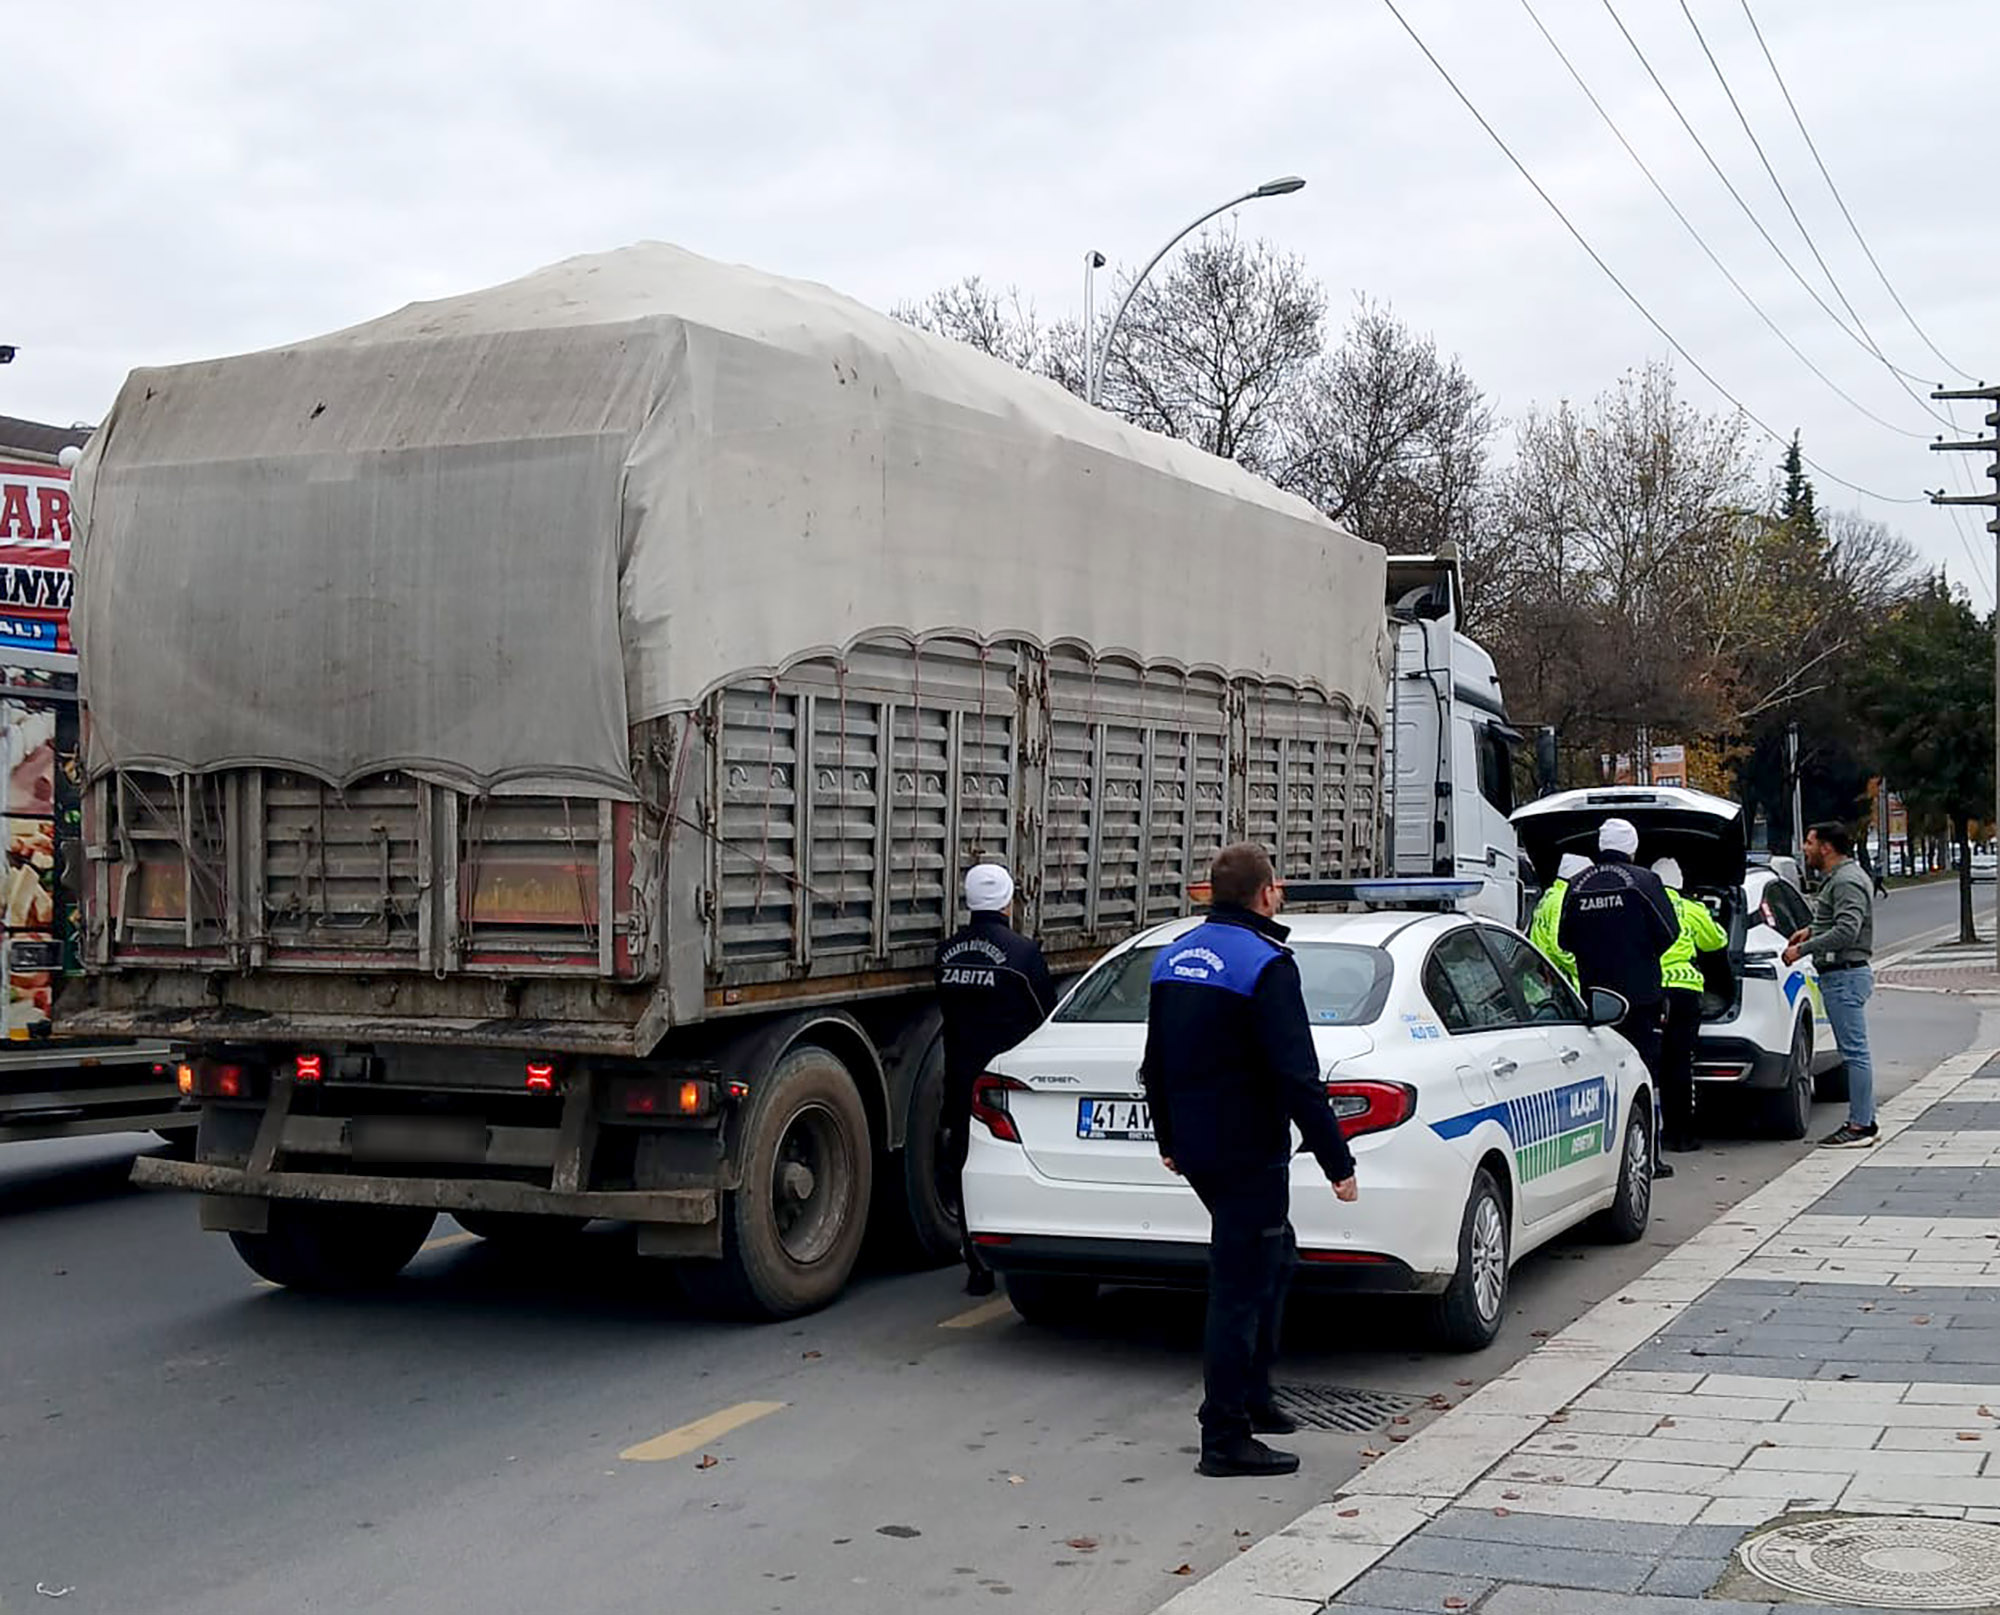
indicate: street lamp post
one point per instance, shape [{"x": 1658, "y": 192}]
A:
[{"x": 1094, "y": 367}]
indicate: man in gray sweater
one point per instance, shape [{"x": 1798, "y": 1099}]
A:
[{"x": 1841, "y": 942}]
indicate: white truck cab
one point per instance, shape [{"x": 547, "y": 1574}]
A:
[{"x": 1450, "y": 769}]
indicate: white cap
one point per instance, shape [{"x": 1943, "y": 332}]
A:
[
  {"x": 1669, "y": 871},
  {"x": 1572, "y": 865},
  {"x": 988, "y": 888},
  {"x": 1618, "y": 835}
]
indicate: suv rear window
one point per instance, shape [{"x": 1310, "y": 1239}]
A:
[{"x": 1344, "y": 985}]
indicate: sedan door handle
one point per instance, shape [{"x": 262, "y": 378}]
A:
[
  {"x": 1505, "y": 1068},
  {"x": 1571, "y": 1056}
]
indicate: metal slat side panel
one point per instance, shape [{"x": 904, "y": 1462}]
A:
[
  {"x": 846, "y": 826},
  {"x": 342, "y": 871},
  {"x": 920, "y": 827},
  {"x": 756, "y": 830}
]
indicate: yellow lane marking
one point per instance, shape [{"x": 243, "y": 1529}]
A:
[
  {"x": 689, "y": 1437},
  {"x": 985, "y": 1312},
  {"x": 444, "y": 1242}
]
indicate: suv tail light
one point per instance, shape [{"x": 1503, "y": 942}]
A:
[
  {"x": 1365, "y": 1105},
  {"x": 989, "y": 1105}
]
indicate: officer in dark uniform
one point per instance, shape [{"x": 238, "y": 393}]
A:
[
  {"x": 1617, "y": 921},
  {"x": 1229, "y": 1069},
  {"x": 994, "y": 989}
]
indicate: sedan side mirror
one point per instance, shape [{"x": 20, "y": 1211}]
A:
[{"x": 1606, "y": 1007}]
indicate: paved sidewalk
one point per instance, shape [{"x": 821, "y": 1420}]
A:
[
  {"x": 1944, "y": 967},
  {"x": 1824, "y": 1358}
]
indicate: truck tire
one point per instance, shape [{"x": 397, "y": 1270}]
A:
[
  {"x": 921, "y": 1223},
  {"x": 792, "y": 1230},
  {"x": 520, "y": 1230},
  {"x": 334, "y": 1248},
  {"x": 1468, "y": 1315}
]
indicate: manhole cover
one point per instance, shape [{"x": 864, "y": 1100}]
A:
[
  {"x": 1882, "y": 1561},
  {"x": 1341, "y": 1407}
]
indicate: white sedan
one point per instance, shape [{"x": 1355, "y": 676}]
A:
[{"x": 1488, "y": 1111}]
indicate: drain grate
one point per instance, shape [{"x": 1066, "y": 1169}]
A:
[
  {"x": 1882, "y": 1561},
  {"x": 1342, "y": 1407}
]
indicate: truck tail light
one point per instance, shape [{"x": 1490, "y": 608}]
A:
[
  {"x": 989, "y": 1105},
  {"x": 212, "y": 1079},
  {"x": 309, "y": 1067},
  {"x": 541, "y": 1076},
  {"x": 668, "y": 1096},
  {"x": 1366, "y": 1105}
]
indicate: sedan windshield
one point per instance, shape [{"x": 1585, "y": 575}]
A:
[{"x": 1344, "y": 985}]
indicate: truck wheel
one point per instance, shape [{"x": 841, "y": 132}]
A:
[
  {"x": 1052, "y": 1302},
  {"x": 1624, "y": 1222},
  {"x": 1788, "y": 1110},
  {"x": 792, "y": 1230},
  {"x": 1469, "y": 1313},
  {"x": 333, "y": 1248},
  {"x": 520, "y": 1230},
  {"x": 921, "y": 1223}
]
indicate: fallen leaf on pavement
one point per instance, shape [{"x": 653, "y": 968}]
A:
[
  {"x": 1985, "y": 1412},
  {"x": 1920, "y": 1320},
  {"x": 1371, "y": 1452},
  {"x": 1458, "y": 1603},
  {"x": 1970, "y": 1435},
  {"x": 1462, "y": 1382},
  {"x": 1400, "y": 1418},
  {"x": 810, "y": 1356},
  {"x": 1084, "y": 1544},
  {"x": 708, "y": 1461},
  {"x": 1239, "y": 1533},
  {"x": 1350, "y": 1514},
  {"x": 1183, "y": 1570},
  {"x": 1017, "y": 1480},
  {"x": 1503, "y": 1513},
  {"x": 1398, "y": 1436},
  {"x": 1539, "y": 1334},
  {"x": 1665, "y": 1424},
  {"x": 1512, "y": 1497}
]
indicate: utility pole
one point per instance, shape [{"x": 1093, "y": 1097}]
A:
[
  {"x": 1798, "y": 805},
  {"x": 1985, "y": 445}
]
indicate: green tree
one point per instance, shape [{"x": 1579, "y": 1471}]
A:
[
  {"x": 1797, "y": 507},
  {"x": 1925, "y": 691}
]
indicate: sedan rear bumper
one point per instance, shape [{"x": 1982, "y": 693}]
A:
[
  {"x": 1739, "y": 1063},
  {"x": 1175, "y": 1264}
]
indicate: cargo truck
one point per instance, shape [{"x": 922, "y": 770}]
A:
[{"x": 536, "y": 738}]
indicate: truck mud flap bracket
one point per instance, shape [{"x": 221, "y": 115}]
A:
[{"x": 682, "y": 1207}]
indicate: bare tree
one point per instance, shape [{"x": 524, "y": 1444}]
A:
[
  {"x": 1211, "y": 350},
  {"x": 1001, "y": 324}
]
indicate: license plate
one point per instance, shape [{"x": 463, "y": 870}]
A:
[
  {"x": 1114, "y": 1118},
  {"x": 386, "y": 1140}
]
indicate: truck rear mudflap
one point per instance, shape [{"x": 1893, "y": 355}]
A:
[{"x": 686, "y": 1207}]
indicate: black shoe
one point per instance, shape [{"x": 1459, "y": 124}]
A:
[
  {"x": 1245, "y": 1456},
  {"x": 979, "y": 1281},
  {"x": 1663, "y": 1169},
  {"x": 1272, "y": 1420},
  {"x": 1849, "y": 1137}
]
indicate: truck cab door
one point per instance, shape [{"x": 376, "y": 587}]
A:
[{"x": 1485, "y": 847}]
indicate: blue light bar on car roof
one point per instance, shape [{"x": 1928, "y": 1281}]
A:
[{"x": 1384, "y": 893}]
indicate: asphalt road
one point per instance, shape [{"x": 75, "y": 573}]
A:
[{"x": 175, "y": 1438}]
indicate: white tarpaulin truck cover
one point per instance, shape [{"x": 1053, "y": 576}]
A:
[{"x": 475, "y": 538}]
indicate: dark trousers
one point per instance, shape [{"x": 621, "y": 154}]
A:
[
  {"x": 1643, "y": 1027},
  {"x": 952, "y": 1151},
  {"x": 1251, "y": 1251},
  {"x": 1676, "y": 1075}
]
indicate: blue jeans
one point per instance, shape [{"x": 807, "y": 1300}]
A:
[{"x": 1846, "y": 993}]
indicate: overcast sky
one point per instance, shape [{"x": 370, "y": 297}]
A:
[{"x": 208, "y": 177}]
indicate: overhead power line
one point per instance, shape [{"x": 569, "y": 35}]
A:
[
  {"x": 1785, "y": 197},
  {"x": 1610, "y": 274},
  {"x": 1700, "y": 241},
  {"x": 1748, "y": 211},
  {"x": 1841, "y": 201}
]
